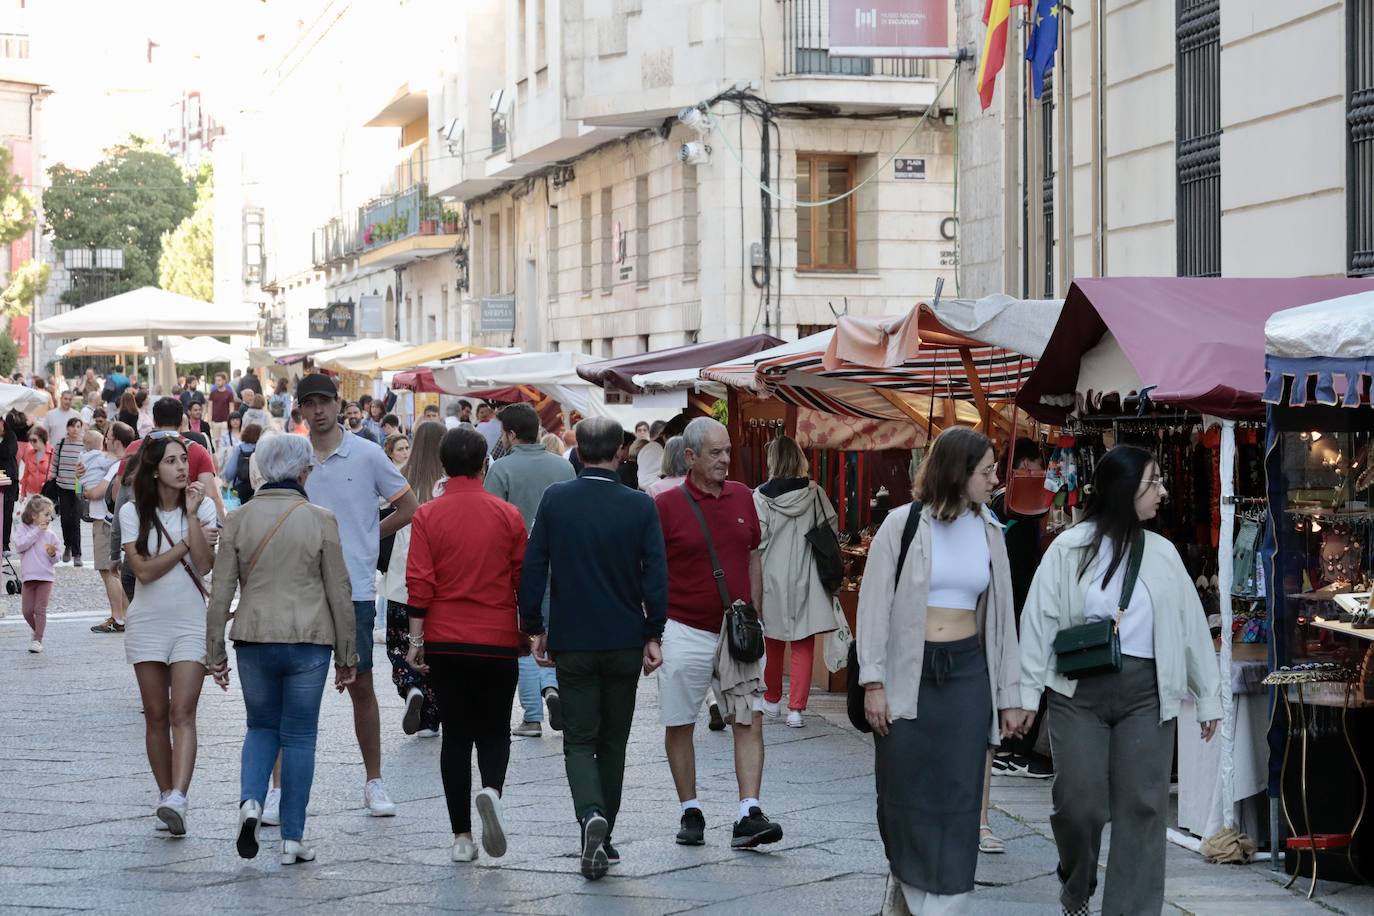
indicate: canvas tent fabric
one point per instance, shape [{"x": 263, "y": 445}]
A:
[
  {"x": 358, "y": 353},
  {"x": 150, "y": 311},
  {"x": 1328, "y": 343},
  {"x": 621, "y": 372},
  {"x": 206, "y": 350},
  {"x": 1196, "y": 343}
]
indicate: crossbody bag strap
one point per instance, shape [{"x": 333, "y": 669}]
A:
[
  {"x": 262, "y": 545},
  {"x": 1132, "y": 573},
  {"x": 716, "y": 571},
  {"x": 164, "y": 533}
]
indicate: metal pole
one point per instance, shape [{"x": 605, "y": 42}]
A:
[{"x": 1066, "y": 227}]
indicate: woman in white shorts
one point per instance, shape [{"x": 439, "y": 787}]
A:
[{"x": 168, "y": 549}]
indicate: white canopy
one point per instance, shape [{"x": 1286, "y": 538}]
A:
[
  {"x": 1022, "y": 325},
  {"x": 149, "y": 311},
  {"x": 555, "y": 374},
  {"x": 17, "y": 397},
  {"x": 359, "y": 353},
  {"x": 103, "y": 346},
  {"x": 1340, "y": 328},
  {"x": 206, "y": 350}
]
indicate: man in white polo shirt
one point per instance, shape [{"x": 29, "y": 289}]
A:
[{"x": 349, "y": 474}]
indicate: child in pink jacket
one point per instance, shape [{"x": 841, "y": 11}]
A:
[{"x": 37, "y": 547}]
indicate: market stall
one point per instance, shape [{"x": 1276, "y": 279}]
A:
[
  {"x": 1319, "y": 566},
  {"x": 1160, "y": 360}
]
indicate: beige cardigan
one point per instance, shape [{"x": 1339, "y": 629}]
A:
[
  {"x": 892, "y": 621},
  {"x": 299, "y": 592}
]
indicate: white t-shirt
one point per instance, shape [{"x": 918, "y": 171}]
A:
[
  {"x": 1138, "y": 623},
  {"x": 55, "y": 421},
  {"x": 174, "y": 590}
]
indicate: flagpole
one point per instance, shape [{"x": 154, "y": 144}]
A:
[
  {"x": 1099, "y": 137},
  {"x": 1011, "y": 126},
  {"x": 1034, "y": 171},
  {"x": 1065, "y": 81}
]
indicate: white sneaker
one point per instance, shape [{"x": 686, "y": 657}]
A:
[
  {"x": 271, "y": 808},
  {"x": 172, "y": 812},
  {"x": 250, "y": 822},
  {"x": 493, "y": 831},
  {"x": 377, "y": 802},
  {"x": 161, "y": 797},
  {"x": 464, "y": 850},
  {"x": 794, "y": 720},
  {"x": 427, "y": 733},
  {"x": 772, "y": 710},
  {"x": 35, "y": 646},
  {"x": 415, "y": 700}
]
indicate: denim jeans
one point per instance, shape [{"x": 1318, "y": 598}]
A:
[
  {"x": 283, "y": 684},
  {"x": 534, "y": 680}
]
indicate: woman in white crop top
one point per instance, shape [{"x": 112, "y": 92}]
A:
[{"x": 939, "y": 662}]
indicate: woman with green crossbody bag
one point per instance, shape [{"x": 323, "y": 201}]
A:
[{"x": 1114, "y": 628}]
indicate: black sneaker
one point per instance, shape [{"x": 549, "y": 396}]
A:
[
  {"x": 110, "y": 625},
  {"x": 693, "y": 830},
  {"x": 1000, "y": 762},
  {"x": 612, "y": 856},
  {"x": 1030, "y": 767},
  {"x": 555, "y": 704},
  {"x": 717, "y": 722},
  {"x": 755, "y": 830},
  {"x": 594, "y": 860}
]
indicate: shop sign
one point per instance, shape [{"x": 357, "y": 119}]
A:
[
  {"x": 370, "y": 317},
  {"x": 497, "y": 314},
  {"x": 910, "y": 169},
  {"x": 333, "y": 321},
  {"x": 889, "y": 28}
]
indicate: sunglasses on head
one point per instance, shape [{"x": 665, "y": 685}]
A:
[{"x": 164, "y": 434}]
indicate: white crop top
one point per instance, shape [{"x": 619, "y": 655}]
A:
[{"x": 960, "y": 566}]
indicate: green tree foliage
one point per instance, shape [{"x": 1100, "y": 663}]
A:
[
  {"x": 17, "y": 215},
  {"x": 25, "y": 285},
  {"x": 187, "y": 262},
  {"x": 129, "y": 200},
  {"x": 9, "y": 354}
]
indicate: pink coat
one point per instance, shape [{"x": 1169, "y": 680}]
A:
[{"x": 34, "y": 563}]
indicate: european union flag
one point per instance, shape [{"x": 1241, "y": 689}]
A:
[{"x": 1044, "y": 42}]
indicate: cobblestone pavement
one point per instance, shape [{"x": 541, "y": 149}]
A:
[{"x": 76, "y": 824}]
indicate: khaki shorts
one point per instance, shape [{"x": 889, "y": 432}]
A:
[
  {"x": 100, "y": 535},
  {"x": 688, "y": 674}
]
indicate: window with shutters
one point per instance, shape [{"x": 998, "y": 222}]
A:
[
  {"x": 1198, "y": 220},
  {"x": 825, "y": 235}
]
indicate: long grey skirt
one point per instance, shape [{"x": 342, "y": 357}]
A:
[{"x": 929, "y": 772}]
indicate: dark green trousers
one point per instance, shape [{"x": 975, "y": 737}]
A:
[{"x": 598, "y": 692}]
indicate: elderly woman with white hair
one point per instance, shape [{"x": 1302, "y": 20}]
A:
[{"x": 284, "y": 556}]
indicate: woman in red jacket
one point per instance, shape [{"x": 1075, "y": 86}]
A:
[
  {"x": 464, "y": 631},
  {"x": 36, "y": 457}
]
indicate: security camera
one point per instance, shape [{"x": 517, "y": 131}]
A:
[
  {"x": 696, "y": 119},
  {"x": 694, "y": 153}
]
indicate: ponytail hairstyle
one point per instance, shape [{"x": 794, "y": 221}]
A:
[
  {"x": 146, "y": 501},
  {"x": 1111, "y": 506}
]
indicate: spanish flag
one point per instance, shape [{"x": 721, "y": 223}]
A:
[{"x": 995, "y": 15}]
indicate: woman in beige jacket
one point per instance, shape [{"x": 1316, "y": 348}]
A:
[
  {"x": 295, "y": 608},
  {"x": 796, "y": 606},
  {"x": 937, "y": 636}
]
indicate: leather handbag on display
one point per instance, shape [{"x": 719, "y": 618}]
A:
[
  {"x": 1026, "y": 493},
  {"x": 743, "y": 626},
  {"x": 825, "y": 549},
  {"x": 1095, "y": 647},
  {"x": 854, "y": 691}
]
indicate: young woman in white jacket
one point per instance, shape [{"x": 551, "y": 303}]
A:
[
  {"x": 1113, "y": 733},
  {"x": 940, "y": 640}
]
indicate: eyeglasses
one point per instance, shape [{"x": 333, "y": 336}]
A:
[{"x": 1155, "y": 483}]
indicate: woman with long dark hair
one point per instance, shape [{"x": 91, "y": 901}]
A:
[
  {"x": 167, "y": 549},
  {"x": 425, "y": 474},
  {"x": 937, "y": 635},
  {"x": 1112, "y": 733},
  {"x": 128, "y": 409}
]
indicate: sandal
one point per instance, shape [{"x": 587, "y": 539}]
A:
[{"x": 989, "y": 843}]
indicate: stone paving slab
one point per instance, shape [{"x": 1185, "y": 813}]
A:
[{"x": 76, "y": 825}]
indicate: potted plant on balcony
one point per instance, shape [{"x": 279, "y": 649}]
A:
[
  {"x": 370, "y": 234},
  {"x": 430, "y": 210},
  {"x": 450, "y": 218}
]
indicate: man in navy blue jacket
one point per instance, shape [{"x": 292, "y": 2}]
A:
[{"x": 599, "y": 547}]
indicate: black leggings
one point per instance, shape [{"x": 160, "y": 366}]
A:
[
  {"x": 475, "y": 696},
  {"x": 69, "y": 511}
]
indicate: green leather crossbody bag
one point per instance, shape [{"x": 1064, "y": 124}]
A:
[{"x": 1095, "y": 647}]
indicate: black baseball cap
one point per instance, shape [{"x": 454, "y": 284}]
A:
[{"x": 316, "y": 383}]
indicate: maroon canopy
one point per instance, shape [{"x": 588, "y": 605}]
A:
[
  {"x": 1198, "y": 342},
  {"x": 620, "y": 373}
]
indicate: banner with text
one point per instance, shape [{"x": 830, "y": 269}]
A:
[{"x": 889, "y": 28}]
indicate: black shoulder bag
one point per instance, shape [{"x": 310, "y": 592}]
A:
[
  {"x": 825, "y": 550},
  {"x": 1095, "y": 647},
  {"x": 855, "y": 692},
  {"x": 743, "y": 628}
]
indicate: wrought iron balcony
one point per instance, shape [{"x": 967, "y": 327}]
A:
[{"x": 337, "y": 239}]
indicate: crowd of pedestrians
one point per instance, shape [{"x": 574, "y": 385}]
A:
[{"x": 589, "y": 562}]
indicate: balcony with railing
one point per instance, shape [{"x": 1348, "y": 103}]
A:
[
  {"x": 337, "y": 240},
  {"x": 405, "y": 227}
]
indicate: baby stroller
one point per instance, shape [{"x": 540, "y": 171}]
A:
[{"x": 10, "y": 575}]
